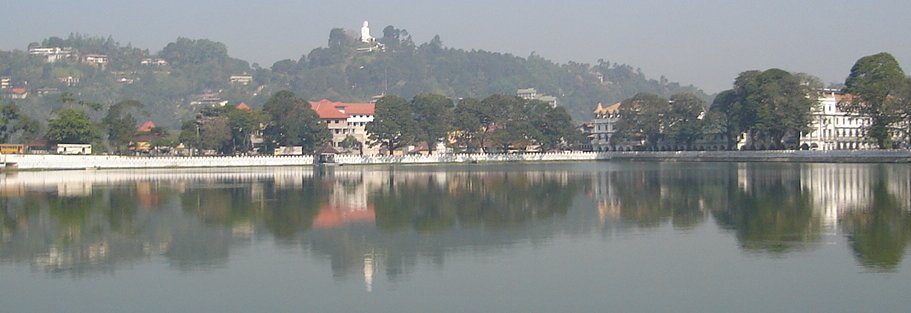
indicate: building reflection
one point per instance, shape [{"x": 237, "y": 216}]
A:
[{"x": 770, "y": 208}]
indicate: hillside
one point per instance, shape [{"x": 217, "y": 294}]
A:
[{"x": 188, "y": 74}]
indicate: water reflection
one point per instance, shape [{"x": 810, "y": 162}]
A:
[{"x": 366, "y": 221}]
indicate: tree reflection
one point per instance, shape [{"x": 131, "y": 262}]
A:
[
  {"x": 366, "y": 219},
  {"x": 652, "y": 195},
  {"x": 769, "y": 210},
  {"x": 428, "y": 203},
  {"x": 880, "y": 233}
]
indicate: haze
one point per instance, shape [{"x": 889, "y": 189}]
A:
[{"x": 701, "y": 42}]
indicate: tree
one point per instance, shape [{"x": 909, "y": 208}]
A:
[
  {"x": 243, "y": 123},
  {"x": 875, "y": 83},
  {"x": 784, "y": 105},
  {"x": 351, "y": 144},
  {"x": 724, "y": 116},
  {"x": 683, "y": 122},
  {"x": 433, "y": 114},
  {"x": 555, "y": 127},
  {"x": 120, "y": 124},
  {"x": 467, "y": 119},
  {"x": 767, "y": 106},
  {"x": 393, "y": 125},
  {"x": 189, "y": 134},
  {"x": 16, "y": 125},
  {"x": 215, "y": 134},
  {"x": 293, "y": 122},
  {"x": 71, "y": 126},
  {"x": 641, "y": 119},
  {"x": 503, "y": 120}
]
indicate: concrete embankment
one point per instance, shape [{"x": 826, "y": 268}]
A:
[
  {"x": 62, "y": 162},
  {"x": 839, "y": 156}
]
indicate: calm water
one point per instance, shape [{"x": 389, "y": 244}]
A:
[{"x": 585, "y": 237}]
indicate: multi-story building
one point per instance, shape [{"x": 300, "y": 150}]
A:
[
  {"x": 834, "y": 129},
  {"x": 346, "y": 119},
  {"x": 603, "y": 127},
  {"x": 5, "y": 82}
]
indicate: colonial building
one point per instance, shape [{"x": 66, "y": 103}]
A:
[
  {"x": 603, "y": 128},
  {"x": 834, "y": 129},
  {"x": 346, "y": 119}
]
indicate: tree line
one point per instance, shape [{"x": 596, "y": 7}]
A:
[
  {"x": 771, "y": 109},
  {"x": 498, "y": 122}
]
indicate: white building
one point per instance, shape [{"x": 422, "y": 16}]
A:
[
  {"x": 347, "y": 119},
  {"x": 53, "y": 54},
  {"x": 833, "y": 129},
  {"x": 603, "y": 127},
  {"x": 532, "y": 94},
  {"x": 243, "y": 79},
  {"x": 97, "y": 60}
]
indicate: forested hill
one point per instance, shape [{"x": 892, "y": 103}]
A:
[{"x": 187, "y": 74}]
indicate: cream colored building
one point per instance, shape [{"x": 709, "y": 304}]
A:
[
  {"x": 346, "y": 119},
  {"x": 834, "y": 129}
]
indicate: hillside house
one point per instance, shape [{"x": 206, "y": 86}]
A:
[
  {"x": 99, "y": 61},
  {"x": 52, "y": 55}
]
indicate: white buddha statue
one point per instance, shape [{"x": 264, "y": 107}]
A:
[{"x": 365, "y": 33}]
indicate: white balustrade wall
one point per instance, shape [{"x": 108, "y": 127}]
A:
[{"x": 52, "y": 162}]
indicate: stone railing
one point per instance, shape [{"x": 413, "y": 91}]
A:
[
  {"x": 28, "y": 161},
  {"x": 52, "y": 162}
]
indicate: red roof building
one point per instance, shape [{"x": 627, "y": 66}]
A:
[
  {"x": 243, "y": 106},
  {"x": 346, "y": 119},
  {"x": 146, "y": 127},
  {"x": 327, "y": 109}
]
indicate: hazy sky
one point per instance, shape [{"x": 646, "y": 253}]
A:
[{"x": 701, "y": 42}]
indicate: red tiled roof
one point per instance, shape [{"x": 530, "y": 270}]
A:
[
  {"x": 18, "y": 91},
  {"x": 146, "y": 127},
  {"x": 327, "y": 109},
  {"x": 243, "y": 106},
  {"x": 331, "y": 216},
  {"x": 844, "y": 97}
]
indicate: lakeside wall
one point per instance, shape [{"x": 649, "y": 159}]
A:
[{"x": 62, "y": 162}]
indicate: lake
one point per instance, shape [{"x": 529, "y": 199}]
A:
[{"x": 552, "y": 237}]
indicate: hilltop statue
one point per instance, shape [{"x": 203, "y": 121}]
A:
[{"x": 365, "y": 33}]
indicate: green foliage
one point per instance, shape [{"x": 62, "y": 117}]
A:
[
  {"x": 71, "y": 126},
  {"x": 682, "y": 122},
  {"x": 15, "y": 126},
  {"x": 120, "y": 123},
  {"x": 767, "y": 105},
  {"x": 876, "y": 82},
  {"x": 470, "y": 123},
  {"x": 293, "y": 123},
  {"x": 243, "y": 124},
  {"x": 434, "y": 117},
  {"x": 351, "y": 144},
  {"x": 642, "y": 117},
  {"x": 393, "y": 124}
]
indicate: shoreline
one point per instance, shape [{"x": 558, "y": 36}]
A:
[{"x": 14, "y": 162}]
